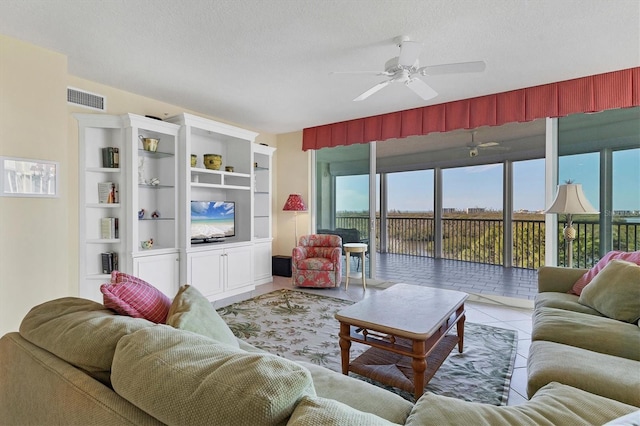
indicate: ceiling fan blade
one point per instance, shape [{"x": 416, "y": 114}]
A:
[
  {"x": 461, "y": 67},
  {"x": 373, "y": 90},
  {"x": 421, "y": 88},
  {"x": 362, "y": 72},
  {"x": 409, "y": 52}
]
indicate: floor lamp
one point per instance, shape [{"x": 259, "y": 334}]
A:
[
  {"x": 570, "y": 200},
  {"x": 295, "y": 204}
]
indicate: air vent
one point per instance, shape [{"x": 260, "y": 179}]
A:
[{"x": 85, "y": 99}]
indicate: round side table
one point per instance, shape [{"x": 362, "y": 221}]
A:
[{"x": 355, "y": 248}]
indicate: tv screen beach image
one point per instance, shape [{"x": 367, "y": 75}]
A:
[{"x": 212, "y": 219}]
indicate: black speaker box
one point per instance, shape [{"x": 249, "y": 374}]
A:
[{"x": 281, "y": 266}]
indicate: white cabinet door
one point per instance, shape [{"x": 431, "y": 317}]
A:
[
  {"x": 239, "y": 266},
  {"x": 262, "y": 263},
  {"x": 206, "y": 271},
  {"x": 161, "y": 271}
]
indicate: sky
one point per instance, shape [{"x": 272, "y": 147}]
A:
[{"x": 481, "y": 186}]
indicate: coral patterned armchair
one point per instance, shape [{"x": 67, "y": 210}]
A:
[{"x": 317, "y": 261}]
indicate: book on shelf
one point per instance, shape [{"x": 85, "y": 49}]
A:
[
  {"x": 108, "y": 192},
  {"x": 109, "y": 228},
  {"x": 109, "y": 262},
  {"x": 111, "y": 157}
]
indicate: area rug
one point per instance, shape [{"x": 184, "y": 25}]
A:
[{"x": 301, "y": 326}]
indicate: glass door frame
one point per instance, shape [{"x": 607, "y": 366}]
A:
[
  {"x": 373, "y": 202},
  {"x": 373, "y": 198}
]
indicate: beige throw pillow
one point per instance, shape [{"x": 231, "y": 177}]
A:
[
  {"x": 615, "y": 291},
  {"x": 328, "y": 412},
  {"x": 191, "y": 311}
]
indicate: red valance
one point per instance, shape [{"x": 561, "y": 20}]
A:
[{"x": 618, "y": 89}]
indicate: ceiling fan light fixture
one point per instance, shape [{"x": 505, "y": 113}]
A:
[{"x": 405, "y": 68}]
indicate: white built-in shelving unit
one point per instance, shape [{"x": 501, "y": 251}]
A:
[
  {"x": 262, "y": 212},
  {"x": 162, "y": 184}
]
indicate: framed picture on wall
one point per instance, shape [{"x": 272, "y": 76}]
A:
[{"x": 24, "y": 177}]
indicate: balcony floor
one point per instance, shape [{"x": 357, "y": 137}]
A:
[{"x": 475, "y": 278}]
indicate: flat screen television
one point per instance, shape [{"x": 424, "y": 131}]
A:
[{"x": 212, "y": 221}]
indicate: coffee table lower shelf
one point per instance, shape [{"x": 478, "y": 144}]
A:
[{"x": 395, "y": 370}]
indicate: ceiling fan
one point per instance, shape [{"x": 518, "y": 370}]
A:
[
  {"x": 475, "y": 147},
  {"x": 405, "y": 68}
]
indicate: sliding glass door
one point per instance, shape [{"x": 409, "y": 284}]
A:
[
  {"x": 602, "y": 153},
  {"x": 344, "y": 199}
]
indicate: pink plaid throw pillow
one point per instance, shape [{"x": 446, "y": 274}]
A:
[
  {"x": 120, "y": 277},
  {"x": 137, "y": 299},
  {"x": 633, "y": 257}
]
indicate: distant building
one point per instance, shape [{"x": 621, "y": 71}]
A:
[
  {"x": 449, "y": 210},
  {"x": 474, "y": 210},
  {"x": 525, "y": 211}
]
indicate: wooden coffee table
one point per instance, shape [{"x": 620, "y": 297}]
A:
[{"x": 407, "y": 328}]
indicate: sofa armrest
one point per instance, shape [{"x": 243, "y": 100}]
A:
[
  {"x": 38, "y": 388},
  {"x": 557, "y": 278}
]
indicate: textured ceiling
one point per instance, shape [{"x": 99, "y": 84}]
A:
[{"x": 266, "y": 64}]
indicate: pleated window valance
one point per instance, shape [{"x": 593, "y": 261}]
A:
[{"x": 618, "y": 89}]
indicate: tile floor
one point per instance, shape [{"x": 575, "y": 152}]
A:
[
  {"x": 497, "y": 313},
  {"x": 470, "y": 277}
]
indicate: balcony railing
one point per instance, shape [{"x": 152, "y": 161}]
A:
[{"x": 481, "y": 240}]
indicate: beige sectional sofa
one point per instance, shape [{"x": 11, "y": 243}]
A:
[
  {"x": 577, "y": 345},
  {"x": 76, "y": 362}
]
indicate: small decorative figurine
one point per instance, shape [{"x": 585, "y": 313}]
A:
[
  {"x": 141, "y": 214},
  {"x": 146, "y": 244},
  {"x": 155, "y": 214},
  {"x": 154, "y": 181}
]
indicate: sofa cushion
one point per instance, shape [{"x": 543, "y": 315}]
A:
[
  {"x": 137, "y": 299},
  {"x": 349, "y": 391},
  {"x": 566, "y": 301},
  {"x": 81, "y": 332},
  {"x": 605, "y": 375},
  {"x": 319, "y": 411},
  {"x": 588, "y": 276},
  {"x": 191, "y": 311},
  {"x": 181, "y": 377},
  {"x": 554, "y": 404},
  {"x": 599, "y": 334},
  {"x": 615, "y": 291}
]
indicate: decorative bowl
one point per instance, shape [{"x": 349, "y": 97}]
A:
[
  {"x": 146, "y": 245},
  {"x": 150, "y": 144},
  {"x": 228, "y": 169},
  {"x": 213, "y": 161}
]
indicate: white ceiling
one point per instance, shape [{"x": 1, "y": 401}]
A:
[{"x": 266, "y": 64}]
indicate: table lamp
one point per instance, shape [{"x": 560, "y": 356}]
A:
[
  {"x": 295, "y": 204},
  {"x": 570, "y": 200}
]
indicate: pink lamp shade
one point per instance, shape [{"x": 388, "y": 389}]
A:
[{"x": 295, "y": 203}]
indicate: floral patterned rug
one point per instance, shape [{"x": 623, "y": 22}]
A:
[{"x": 301, "y": 326}]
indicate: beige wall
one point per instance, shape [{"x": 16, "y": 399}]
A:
[
  {"x": 34, "y": 232},
  {"x": 292, "y": 177},
  {"x": 39, "y": 236}
]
